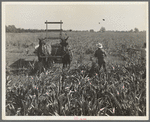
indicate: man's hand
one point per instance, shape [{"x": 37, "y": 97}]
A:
[{"x": 104, "y": 54}]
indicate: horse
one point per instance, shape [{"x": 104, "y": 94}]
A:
[
  {"x": 44, "y": 50},
  {"x": 67, "y": 58}
]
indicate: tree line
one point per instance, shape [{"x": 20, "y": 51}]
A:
[
  {"x": 103, "y": 29},
  {"x": 13, "y": 29}
]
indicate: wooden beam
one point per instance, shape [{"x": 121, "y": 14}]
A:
[
  {"x": 54, "y": 30},
  {"x": 60, "y": 28},
  {"x": 51, "y": 56},
  {"x": 53, "y": 38},
  {"x": 53, "y": 22},
  {"x": 46, "y": 28}
]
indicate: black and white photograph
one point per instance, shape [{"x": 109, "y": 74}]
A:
[{"x": 75, "y": 60}]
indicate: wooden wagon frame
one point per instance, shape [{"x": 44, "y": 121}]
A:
[{"x": 54, "y": 57}]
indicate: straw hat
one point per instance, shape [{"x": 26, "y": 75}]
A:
[
  {"x": 99, "y": 45},
  {"x": 36, "y": 46}
]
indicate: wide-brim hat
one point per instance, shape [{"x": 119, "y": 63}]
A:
[
  {"x": 36, "y": 46},
  {"x": 99, "y": 45}
]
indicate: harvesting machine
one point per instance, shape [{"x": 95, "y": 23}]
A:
[{"x": 55, "y": 44}]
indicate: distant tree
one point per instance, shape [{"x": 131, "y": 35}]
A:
[
  {"x": 91, "y": 30},
  {"x": 19, "y": 30},
  {"x": 102, "y": 29},
  {"x": 136, "y": 30},
  {"x": 131, "y": 30},
  {"x": 6, "y": 28},
  {"x": 11, "y": 28}
]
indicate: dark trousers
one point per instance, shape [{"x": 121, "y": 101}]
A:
[{"x": 102, "y": 63}]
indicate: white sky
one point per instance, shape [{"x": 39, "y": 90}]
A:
[{"x": 78, "y": 15}]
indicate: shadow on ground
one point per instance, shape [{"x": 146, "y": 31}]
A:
[{"x": 19, "y": 66}]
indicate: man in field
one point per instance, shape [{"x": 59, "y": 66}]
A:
[
  {"x": 143, "y": 58},
  {"x": 99, "y": 54}
]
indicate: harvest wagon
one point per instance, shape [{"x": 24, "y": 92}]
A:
[{"x": 49, "y": 52}]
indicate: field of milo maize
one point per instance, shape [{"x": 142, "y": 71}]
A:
[{"x": 82, "y": 90}]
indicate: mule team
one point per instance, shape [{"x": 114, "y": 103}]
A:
[{"x": 47, "y": 58}]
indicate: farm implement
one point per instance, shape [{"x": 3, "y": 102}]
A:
[{"x": 51, "y": 49}]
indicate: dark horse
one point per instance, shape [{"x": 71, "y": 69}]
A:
[{"x": 66, "y": 58}]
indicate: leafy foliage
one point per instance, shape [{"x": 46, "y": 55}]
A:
[
  {"x": 136, "y": 30},
  {"x": 120, "y": 92},
  {"x": 102, "y": 29},
  {"x": 83, "y": 90}
]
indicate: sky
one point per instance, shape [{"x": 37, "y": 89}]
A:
[{"x": 121, "y": 16}]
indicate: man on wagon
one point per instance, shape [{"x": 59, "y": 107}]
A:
[{"x": 99, "y": 54}]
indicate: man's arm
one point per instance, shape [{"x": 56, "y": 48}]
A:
[
  {"x": 104, "y": 53},
  {"x": 95, "y": 53}
]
